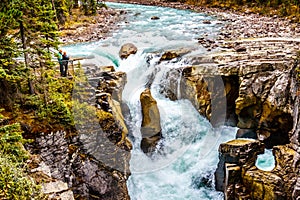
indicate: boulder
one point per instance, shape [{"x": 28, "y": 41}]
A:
[
  {"x": 126, "y": 50},
  {"x": 150, "y": 128}
]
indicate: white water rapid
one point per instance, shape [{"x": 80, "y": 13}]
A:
[{"x": 183, "y": 168}]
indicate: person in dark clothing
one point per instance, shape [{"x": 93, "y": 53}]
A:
[
  {"x": 60, "y": 58},
  {"x": 65, "y": 60}
]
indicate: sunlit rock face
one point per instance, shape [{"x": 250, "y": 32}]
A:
[
  {"x": 233, "y": 155},
  {"x": 150, "y": 128},
  {"x": 253, "y": 97}
]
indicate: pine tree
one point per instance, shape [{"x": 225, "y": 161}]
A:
[
  {"x": 38, "y": 31},
  {"x": 10, "y": 69}
]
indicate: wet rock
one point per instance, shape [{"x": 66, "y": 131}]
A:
[
  {"x": 169, "y": 56},
  {"x": 171, "y": 86},
  {"x": 236, "y": 153},
  {"x": 150, "y": 128},
  {"x": 126, "y": 50},
  {"x": 155, "y": 18},
  {"x": 206, "y": 22},
  {"x": 203, "y": 180}
]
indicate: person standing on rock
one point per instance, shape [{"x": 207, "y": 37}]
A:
[
  {"x": 60, "y": 58},
  {"x": 65, "y": 60}
]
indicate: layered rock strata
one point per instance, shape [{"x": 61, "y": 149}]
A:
[{"x": 249, "y": 90}]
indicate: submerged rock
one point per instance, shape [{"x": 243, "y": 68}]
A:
[{"x": 155, "y": 18}]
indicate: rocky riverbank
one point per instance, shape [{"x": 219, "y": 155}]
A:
[
  {"x": 240, "y": 25},
  {"x": 91, "y": 28}
]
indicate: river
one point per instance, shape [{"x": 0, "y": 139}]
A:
[{"x": 183, "y": 168}]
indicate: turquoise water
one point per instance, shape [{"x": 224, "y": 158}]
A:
[
  {"x": 183, "y": 165},
  {"x": 174, "y": 29},
  {"x": 265, "y": 161}
]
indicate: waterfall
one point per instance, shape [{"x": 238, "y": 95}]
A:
[
  {"x": 183, "y": 165},
  {"x": 186, "y": 157}
]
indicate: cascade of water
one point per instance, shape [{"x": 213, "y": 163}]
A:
[{"x": 183, "y": 165}]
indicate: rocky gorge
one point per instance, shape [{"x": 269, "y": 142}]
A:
[{"x": 246, "y": 79}]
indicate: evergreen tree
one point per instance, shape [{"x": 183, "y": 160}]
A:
[
  {"x": 38, "y": 32},
  {"x": 10, "y": 69},
  {"x": 62, "y": 8}
]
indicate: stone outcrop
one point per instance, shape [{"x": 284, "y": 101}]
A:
[
  {"x": 150, "y": 128},
  {"x": 267, "y": 105},
  {"x": 233, "y": 156},
  {"x": 126, "y": 50},
  {"x": 250, "y": 90},
  {"x": 239, "y": 178}
]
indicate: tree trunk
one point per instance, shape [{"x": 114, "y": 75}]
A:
[
  {"x": 53, "y": 8},
  {"x": 23, "y": 38}
]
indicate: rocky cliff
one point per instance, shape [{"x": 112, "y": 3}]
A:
[
  {"x": 252, "y": 85},
  {"x": 249, "y": 81},
  {"x": 91, "y": 162}
]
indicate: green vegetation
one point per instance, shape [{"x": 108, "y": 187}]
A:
[
  {"x": 282, "y": 8},
  {"x": 31, "y": 90},
  {"x": 14, "y": 183}
]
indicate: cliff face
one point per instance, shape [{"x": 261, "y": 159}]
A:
[
  {"x": 254, "y": 97},
  {"x": 251, "y": 85},
  {"x": 93, "y": 161}
]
